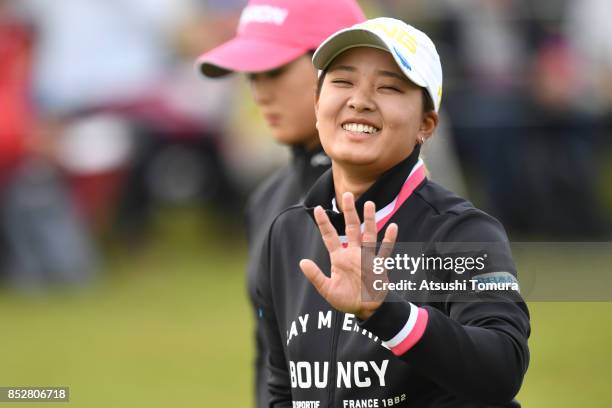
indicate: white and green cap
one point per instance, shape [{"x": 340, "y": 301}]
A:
[{"x": 413, "y": 51}]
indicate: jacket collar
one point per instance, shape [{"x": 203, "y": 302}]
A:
[
  {"x": 382, "y": 192},
  {"x": 308, "y": 166},
  {"x": 310, "y": 157}
]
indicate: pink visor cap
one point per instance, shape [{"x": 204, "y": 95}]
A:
[{"x": 272, "y": 33}]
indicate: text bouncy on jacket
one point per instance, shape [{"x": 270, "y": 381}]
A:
[
  {"x": 285, "y": 188},
  {"x": 449, "y": 354}
]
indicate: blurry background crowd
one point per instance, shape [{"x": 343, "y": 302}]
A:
[
  {"x": 106, "y": 129},
  {"x": 103, "y": 119}
]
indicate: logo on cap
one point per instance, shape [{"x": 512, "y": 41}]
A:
[
  {"x": 403, "y": 60},
  {"x": 263, "y": 14},
  {"x": 394, "y": 32}
]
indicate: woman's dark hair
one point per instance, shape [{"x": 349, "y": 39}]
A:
[
  {"x": 320, "y": 82},
  {"x": 428, "y": 105}
]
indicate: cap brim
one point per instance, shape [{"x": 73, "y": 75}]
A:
[
  {"x": 357, "y": 37},
  {"x": 246, "y": 55}
]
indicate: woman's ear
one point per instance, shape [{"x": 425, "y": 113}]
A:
[{"x": 429, "y": 123}]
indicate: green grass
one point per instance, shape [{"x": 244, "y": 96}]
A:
[
  {"x": 169, "y": 326},
  {"x": 571, "y": 358}
]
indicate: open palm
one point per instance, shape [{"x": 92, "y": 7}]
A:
[{"x": 343, "y": 288}]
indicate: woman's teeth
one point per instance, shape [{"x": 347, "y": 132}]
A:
[{"x": 359, "y": 127}]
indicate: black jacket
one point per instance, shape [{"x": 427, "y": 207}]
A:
[
  {"x": 471, "y": 353},
  {"x": 286, "y": 187}
]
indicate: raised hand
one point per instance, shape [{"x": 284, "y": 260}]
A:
[{"x": 343, "y": 289}]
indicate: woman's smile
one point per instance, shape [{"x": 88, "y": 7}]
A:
[{"x": 360, "y": 129}]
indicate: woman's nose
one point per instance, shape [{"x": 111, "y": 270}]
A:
[
  {"x": 262, "y": 91},
  {"x": 361, "y": 100}
]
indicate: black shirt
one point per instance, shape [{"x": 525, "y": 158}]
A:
[
  {"x": 469, "y": 354},
  {"x": 286, "y": 187}
]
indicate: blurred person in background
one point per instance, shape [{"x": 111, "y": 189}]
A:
[
  {"x": 589, "y": 33},
  {"x": 589, "y": 36},
  {"x": 185, "y": 146},
  {"x": 94, "y": 63},
  {"x": 107, "y": 73},
  {"x": 273, "y": 47},
  {"x": 44, "y": 240},
  {"x": 16, "y": 40},
  {"x": 15, "y": 118},
  {"x": 558, "y": 147},
  {"x": 487, "y": 46},
  {"x": 512, "y": 92}
]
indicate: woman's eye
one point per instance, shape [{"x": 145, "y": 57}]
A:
[
  {"x": 274, "y": 73},
  {"x": 342, "y": 82},
  {"x": 390, "y": 88},
  {"x": 267, "y": 74}
]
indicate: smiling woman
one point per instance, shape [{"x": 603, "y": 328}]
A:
[
  {"x": 369, "y": 114},
  {"x": 462, "y": 349}
]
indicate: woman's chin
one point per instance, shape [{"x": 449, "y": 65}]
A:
[
  {"x": 354, "y": 158},
  {"x": 290, "y": 139}
]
